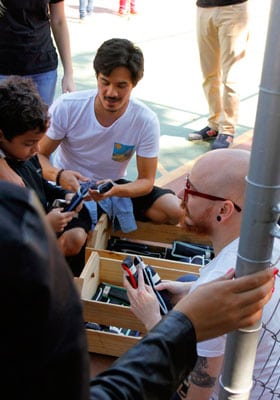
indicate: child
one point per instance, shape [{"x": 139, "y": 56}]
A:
[{"x": 24, "y": 119}]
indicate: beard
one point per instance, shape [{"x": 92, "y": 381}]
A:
[{"x": 199, "y": 224}]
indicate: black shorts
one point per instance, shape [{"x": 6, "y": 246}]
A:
[
  {"x": 83, "y": 220},
  {"x": 143, "y": 203}
]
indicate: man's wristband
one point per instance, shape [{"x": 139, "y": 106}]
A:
[{"x": 57, "y": 179}]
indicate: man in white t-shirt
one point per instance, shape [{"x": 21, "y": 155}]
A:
[
  {"x": 96, "y": 132},
  {"x": 213, "y": 205}
]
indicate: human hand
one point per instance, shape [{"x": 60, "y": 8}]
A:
[
  {"x": 105, "y": 188},
  {"x": 69, "y": 197},
  {"x": 70, "y": 180},
  {"x": 225, "y": 305},
  {"x": 176, "y": 289},
  {"x": 67, "y": 84},
  {"x": 143, "y": 301},
  {"x": 58, "y": 219}
]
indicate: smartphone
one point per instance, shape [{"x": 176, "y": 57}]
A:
[{"x": 83, "y": 191}]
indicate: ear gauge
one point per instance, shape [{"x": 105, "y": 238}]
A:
[{"x": 219, "y": 218}]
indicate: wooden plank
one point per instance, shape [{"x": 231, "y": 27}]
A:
[
  {"x": 90, "y": 276},
  {"x": 147, "y": 231},
  {"x": 111, "y": 271},
  {"x": 158, "y": 262},
  {"x": 99, "y": 236},
  {"x": 112, "y": 314},
  {"x": 109, "y": 343}
]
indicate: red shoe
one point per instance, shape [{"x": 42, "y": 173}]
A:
[
  {"x": 133, "y": 11},
  {"x": 122, "y": 11}
]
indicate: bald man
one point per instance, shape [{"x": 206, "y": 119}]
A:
[
  {"x": 43, "y": 344},
  {"x": 213, "y": 204}
]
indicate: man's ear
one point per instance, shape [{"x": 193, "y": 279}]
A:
[{"x": 227, "y": 209}]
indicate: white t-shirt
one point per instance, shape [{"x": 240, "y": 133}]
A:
[
  {"x": 95, "y": 151},
  {"x": 266, "y": 375}
]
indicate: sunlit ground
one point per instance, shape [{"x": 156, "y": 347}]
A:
[{"x": 172, "y": 82}]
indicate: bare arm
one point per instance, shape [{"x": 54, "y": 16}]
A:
[
  {"x": 61, "y": 35},
  {"x": 202, "y": 380},
  {"x": 47, "y": 147},
  {"x": 68, "y": 179}
]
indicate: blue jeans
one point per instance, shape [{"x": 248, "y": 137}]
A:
[
  {"x": 84, "y": 10},
  {"x": 46, "y": 83}
]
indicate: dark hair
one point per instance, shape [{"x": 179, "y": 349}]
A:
[
  {"x": 119, "y": 53},
  {"x": 21, "y": 108}
]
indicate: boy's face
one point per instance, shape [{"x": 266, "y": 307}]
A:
[
  {"x": 21, "y": 147},
  {"x": 114, "y": 90}
]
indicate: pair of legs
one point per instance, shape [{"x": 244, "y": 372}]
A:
[
  {"x": 222, "y": 34},
  {"x": 160, "y": 206},
  {"x": 123, "y": 4},
  {"x": 73, "y": 240},
  {"x": 166, "y": 209},
  {"x": 46, "y": 84},
  {"x": 86, "y": 8}
]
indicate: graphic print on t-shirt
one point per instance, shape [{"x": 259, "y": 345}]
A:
[{"x": 122, "y": 152}]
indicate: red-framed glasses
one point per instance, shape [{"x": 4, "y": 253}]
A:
[{"x": 188, "y": 190}]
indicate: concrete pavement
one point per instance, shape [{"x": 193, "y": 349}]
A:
[{"x": 165, "y": 31}]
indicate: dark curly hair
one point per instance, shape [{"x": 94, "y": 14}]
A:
[
  {"x": 115, "y": 53},
  {"x": 21, "y": 107}
]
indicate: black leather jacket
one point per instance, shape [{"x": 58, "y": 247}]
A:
[
  {"x": 43, "y": 349},
  {"x": 153, "y": 368}
]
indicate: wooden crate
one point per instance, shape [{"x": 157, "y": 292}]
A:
[
  {"x": 105, "y": 266},
  {"x": 147, "y": 232}
]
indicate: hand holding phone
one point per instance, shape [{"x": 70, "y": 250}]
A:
[
  {"x": 130, "y": 271},
  {"x": 83, "y": 191},
  {"x": 151, "y": 278}
]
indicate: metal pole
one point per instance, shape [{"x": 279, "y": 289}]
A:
[{"x": 261, "y": 211}]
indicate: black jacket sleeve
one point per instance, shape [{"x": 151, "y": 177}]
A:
[
  {"x": 43, "y": 347},
  {"x": 154, "y": 367}
]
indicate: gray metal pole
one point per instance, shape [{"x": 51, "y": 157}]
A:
[{"x": 261, "y": 211}]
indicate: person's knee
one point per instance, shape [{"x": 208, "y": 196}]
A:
[
  {"x": 166, "y": 210},
  {"x": 72, "y": 241}
]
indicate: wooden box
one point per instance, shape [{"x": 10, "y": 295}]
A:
[
  {"x": 147, "y": 232},
  {"x": 105, "y": 266}
]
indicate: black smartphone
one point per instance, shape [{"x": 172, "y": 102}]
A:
[{"x": 83, "y": 191}]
